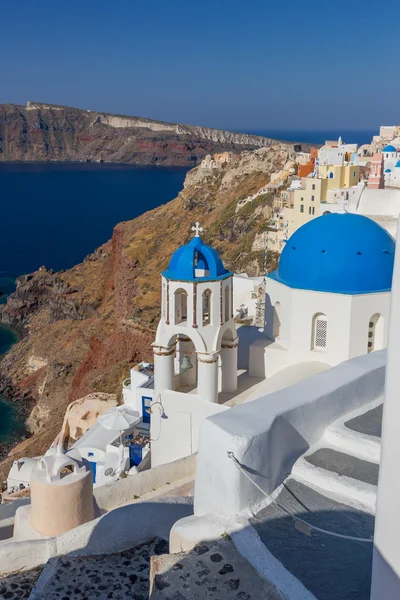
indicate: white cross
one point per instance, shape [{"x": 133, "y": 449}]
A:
[{"x": 196, "y": 227}]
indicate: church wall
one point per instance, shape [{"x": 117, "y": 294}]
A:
[
  {"x": 276, "y": 292},
  {"x": 337, "y": 309},
  {"x": 297, "y": 310},
  {"x": 363, "y": 307}
]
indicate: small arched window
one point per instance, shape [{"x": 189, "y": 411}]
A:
[
  {"x": 207, "y": 294},
  {"x": 277, "y": 320},
  {"x": 375, "y": 333},
  {"x": 331, "y": 175},
  {"x": 180, "y": 306},
  {"x": 227, "y": 303},
  {"x": 319, "y": 332}
]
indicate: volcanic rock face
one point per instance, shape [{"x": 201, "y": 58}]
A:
[
  {"x": 46, "y": 132},
  {"x": 84, "y": 328}
]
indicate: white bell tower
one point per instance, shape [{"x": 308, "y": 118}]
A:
[{"x": 195, "y": 349}]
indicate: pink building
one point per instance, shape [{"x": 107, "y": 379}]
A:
[{"x": 376, "y": 178}]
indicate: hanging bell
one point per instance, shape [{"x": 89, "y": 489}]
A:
[{"x": 186, "y": 364}]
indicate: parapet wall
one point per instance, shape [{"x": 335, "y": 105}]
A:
[
  {"x": 118, "y": 493},
  {"x": 269, "y": 434}
]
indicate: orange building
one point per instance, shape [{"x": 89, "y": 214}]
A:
[{"x": 305, "y": 170}]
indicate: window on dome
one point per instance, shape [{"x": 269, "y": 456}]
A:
[
  {"x": 226, "y": 303},
  {"x": 319, "y": 332},
  {"x": 375, "y": 340},
  {"x": 180, "y": 306},
  {"x": 207, "y": 294}
]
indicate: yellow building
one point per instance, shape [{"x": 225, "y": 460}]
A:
[
  {"x": 338, "y": 176},
  {"x": 306, "y": 204},
  {"x": 308, "y": 201}
]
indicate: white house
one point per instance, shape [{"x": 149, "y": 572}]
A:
[{"x": 335, "y": 154}]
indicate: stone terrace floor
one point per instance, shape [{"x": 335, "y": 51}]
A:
[{"x": 120, "y": 576}]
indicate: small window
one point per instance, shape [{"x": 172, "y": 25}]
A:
[
  {"x": 301, "y": 199},
  {"x": 206, "y": 307},
  {"x": 312, "y": 198},
  {"x": 313, "y": 186},
  {"x": 309, "y": 210},
  {"x": 354, "y": 173},
  {"x": 313, "y": 210},
  {"x": 302, "y": 208},
  {"x": 319, "y": 332},
  {"x": 227, "y": 303}
]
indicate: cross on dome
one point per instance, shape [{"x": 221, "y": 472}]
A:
[{"x": 197, "y": 229}]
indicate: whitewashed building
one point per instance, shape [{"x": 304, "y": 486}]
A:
[{"x": 329, "y": 299}]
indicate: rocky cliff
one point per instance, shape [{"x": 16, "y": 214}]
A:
[
  {"x": 43, "y": 132},
  {"x": 84, "y": 328}
]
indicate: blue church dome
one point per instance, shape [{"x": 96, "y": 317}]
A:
[
  {"x": 338, "y": 253},
  {"x": 390, "y": 170},
  {"x": 398, "y": 163},
  {"x": 196, "y": 261},
  {"x": 389, "y": 148}
]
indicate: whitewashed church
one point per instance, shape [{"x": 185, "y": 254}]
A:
[{"x": 327, "y": 302}]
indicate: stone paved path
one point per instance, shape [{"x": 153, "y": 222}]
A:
[
  {"x": 18, "y": 585},
  {"x": 119, "y": 576},
  {"x": 211, "y": 571}
]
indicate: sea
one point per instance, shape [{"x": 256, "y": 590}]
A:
[{"x": 55, "y": 214}]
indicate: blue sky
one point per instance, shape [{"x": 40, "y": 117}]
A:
[{"x": 254, "y": 65}]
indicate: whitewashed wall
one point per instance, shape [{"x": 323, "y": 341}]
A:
[
  {"x": 269, "y": 434},
  {"x": 176, "y": 434}
]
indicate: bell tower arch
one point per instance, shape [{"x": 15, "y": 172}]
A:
[{"x": 196, "y": 312}]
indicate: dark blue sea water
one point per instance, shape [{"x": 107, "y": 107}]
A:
[
  {"x": 54, "y": 214},
  {"x": 319, "y": 137}
]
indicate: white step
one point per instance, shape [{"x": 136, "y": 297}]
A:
[
  {"x": 360, "y": 445},
  {"x": 340, "y": 488}
]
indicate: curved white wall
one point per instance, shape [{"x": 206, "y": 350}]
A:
[{"x": 270, "y": 433}]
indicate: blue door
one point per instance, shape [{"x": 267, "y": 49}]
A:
[
  {"x": 146, "y": 402},
  {"x": 135, "y": 455},
  {"x": 93, "y": 466}
]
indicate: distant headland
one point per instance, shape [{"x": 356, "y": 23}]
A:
[{"x": 48, "y": 132}]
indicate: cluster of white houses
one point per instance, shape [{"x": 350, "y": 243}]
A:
[{"x": 333, "y": 176}]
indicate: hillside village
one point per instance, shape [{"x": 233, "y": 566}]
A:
[{"x": 256, "y": 413}]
